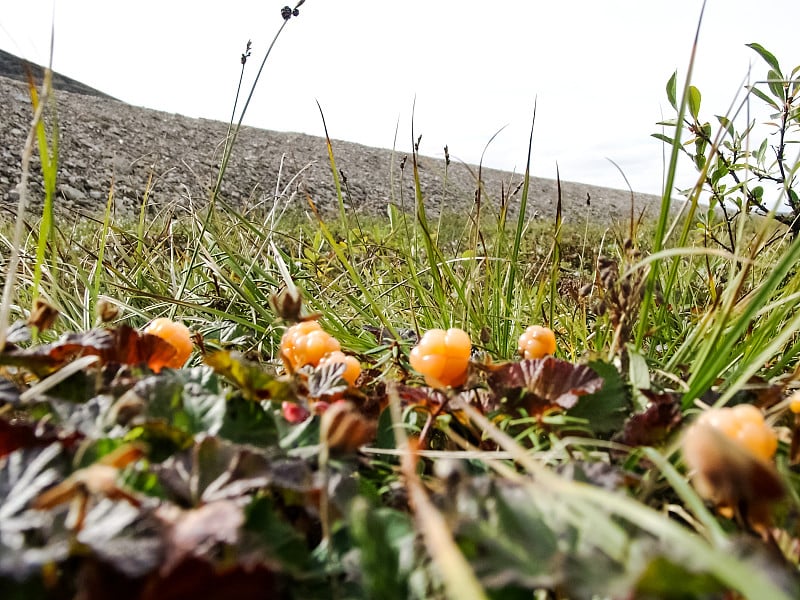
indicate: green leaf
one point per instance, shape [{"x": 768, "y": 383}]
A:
[
  {"x": 509, "y": 542},
  {"x": 248, "y": 422},
  {"x": 664, "y": 138},
  {"x": 606, "y": 409},
  {"x": 776, "y": 85},
  {"x": 727, "y": 124},
  {"x": 718, "y": 174},
  {"x": 761, "y": 153},
  {"x": 279, "y": 539},
  {"x": 671, "y": 94},
  {"x": 253, "y": 379},
  {"x": 385, "y": 436},
  {"x": 761, "y": 95},
  {"x": 383, "y": 536},
  {"x": 767, "y": 56},
  {"x": 694, "y": 101}
]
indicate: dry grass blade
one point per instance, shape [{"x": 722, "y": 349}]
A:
[{"x": 459, "y": 578}]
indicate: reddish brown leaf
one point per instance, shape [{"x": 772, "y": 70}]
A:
[
  {"x": 18, "y": 433},
  {"x": 196, "y": 578},
  {"x": 124, "y": 345},
  {"x": 542, "y": 384},
  {"x": 199, "y": 532},
  {"x": 132, "y": 347},
  {"x": 661, "y": 416}
]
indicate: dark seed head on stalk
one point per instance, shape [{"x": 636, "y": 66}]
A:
[
  {"x": 286, "y": 13},
  {"x": 246, "y": 53}
]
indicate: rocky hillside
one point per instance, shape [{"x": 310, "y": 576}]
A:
[{"x": 105, "y": 141}]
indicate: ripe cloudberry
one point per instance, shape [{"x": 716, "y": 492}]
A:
[
  {"x": 536, "y": 342},
  {"x": 442, "y": 357},
  {"x": 177, "y": 335},
  {"x": 794, "y": 402},
  {"x": 352, "y": 368},
  {"x": 744, "y": 424},
  {"x": 306, "y": 343},
  {"x": 728, "y": 452}
]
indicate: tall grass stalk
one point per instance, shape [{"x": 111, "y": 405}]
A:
[
  {"x": 521, "y": 216},
  {"x": 22, "y": 207},
  {"x": 659, "y": 237},
  {"x": 230, "y": 140},
  {"x": 48, "y": 156}
]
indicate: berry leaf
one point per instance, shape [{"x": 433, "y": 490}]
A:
[
  {"x": 607, "y": 408},
  {"x": 252, "y": 379},
  {"x": 544, "y": 383}
]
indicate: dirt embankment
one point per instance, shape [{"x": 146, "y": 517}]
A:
[{"x": 103, "y": 140}]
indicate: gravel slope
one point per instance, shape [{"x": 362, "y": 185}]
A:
[{"x": 102, "y": 139}]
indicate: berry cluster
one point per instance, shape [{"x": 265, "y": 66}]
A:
[
  {"x": 442, "y": 357},
  {"x": 745, "y": 425},
  {"x": 306, "y": 343}
]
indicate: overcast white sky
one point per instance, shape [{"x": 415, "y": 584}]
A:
[{"x": 597, "y": 67}]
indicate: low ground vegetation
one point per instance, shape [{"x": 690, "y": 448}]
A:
[{"x": 287, "y": 404}]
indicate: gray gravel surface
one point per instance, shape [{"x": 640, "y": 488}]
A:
[{"x": 103, "y": 140}]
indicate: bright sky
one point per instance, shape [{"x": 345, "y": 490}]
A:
[{"x": 597, "y": 69}]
